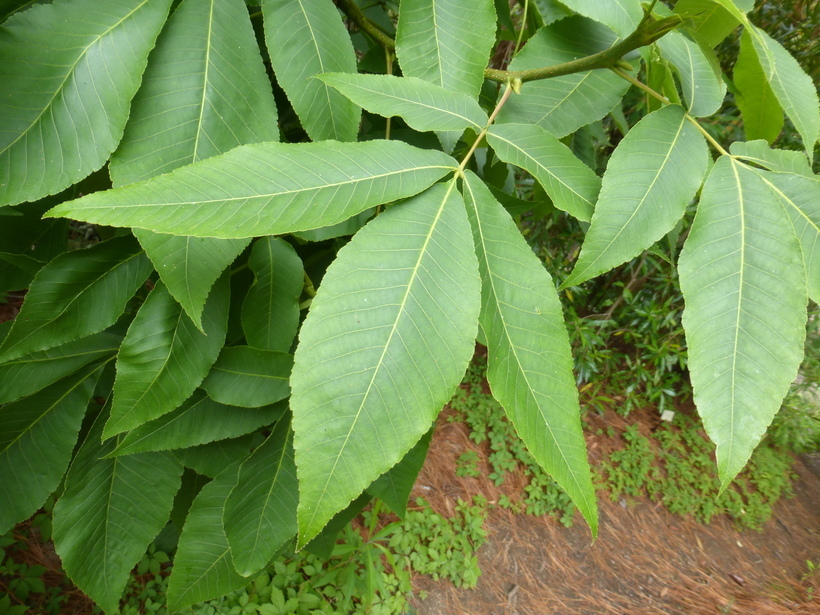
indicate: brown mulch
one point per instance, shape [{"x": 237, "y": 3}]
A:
[{"x": 646, "y": 561}]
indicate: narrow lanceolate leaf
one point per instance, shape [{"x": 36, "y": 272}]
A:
[
  {"x": 203, "y": 567},
  {"x": 561, "y": 105},
  {"x": 249, "y": 377},
  {"x": 260, "y": 513},
  {"x": 762, "y": 114},
  {"x": 109, "y": 513},
  {"x": 759, "y": 152},
  {"x": 622, "y": 16},
  {"x": 305, "y": 39},
  {"x": 424, "y": 106},
  {"x": 530, "y": 364},
  {"x": 17, "y": 270},
  {"x": 64, "y": 100},
  {"x": 794, "y": 88},
  {"x": 703, "y": 89},
  {"x": 446, "y": 42},
  {"x": 375, "y": 366},
  {"x": 30, "y": 373},
  {"x": 198, "y": 420},
  {"x": 650, "y": 179},
  {"x": 744, "y": 284},
  {"x": 394, "y": 486},
  {"x": 164, "y": 357},
  {"x": 267, "y": 189},
  {"x": 707, "y": 20},
  {"x": 270, "y": 312},
  {"x": 800, "y": 197},
  {"x": 204, "y": 92},
  {"x": 571, "y": 184},
  {"x": 37, "y": 435},
  {"x": 77, "y": 294},
  {"x": 189, "y": 266}
]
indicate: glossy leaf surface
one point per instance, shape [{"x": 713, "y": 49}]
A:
[
  {"x": 54, "y": 128},
  {"x": 164, "y": 357},
  {"x": 77, "y": 294},
  {"x": 267, "y": 189},
  {"x": 374, "y": 367},
  {"x": 249, "y": 377},
  {"x": 529, "y": 365}
]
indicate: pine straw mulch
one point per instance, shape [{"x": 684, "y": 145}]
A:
[{"x": 646, "y": 561}]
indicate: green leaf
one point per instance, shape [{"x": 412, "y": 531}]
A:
[
  {"x": 17, "y": 270},
  {"x": 164, "y": 357},
  {"x": 204, "y": 92},
  {"x": 446, "y": 42},
  {"x": 762, "y": 114},
  {"x": 793, "y": 88},
  {"x": 325, "y": 541},
  {"x": 198, "y": 420},
  {"x": 759, "y": 152},
  {"x": 394, "y": 486},
  {"x": 650, "y": 179},
  {"x": 267, "y": 189},
  {"x": 571, "y": 184},
  {"x": 203, "y": 568},
  {"x": 270, "y": 312},
  {"x": 561, "y": 105},
  {"x": 77, "y": 294},
  {"x": 375, "y": 366},
  {"x": 249, "y": 377},
  {"x": 343, "y": 229},
  {"x": 109, "y": 513},
  {"x": 33, "y": 372},
  {"x": 424, "y": 106},
  {"x": 706, "y": 20},
  {"x": 622, "y": 16},
  {"x": 800, "y": 197},
  {"x": 37, "y": 435},
  {"x": 68, "y": 74},
  {"x": 703, "y": 89},
  {"x": 260, "y": 513},
  {"x": 189, "y": 266},
  {"x": 744, "y": 285},
  {"x": 212, "y": 458},
  {"x": 305, "y": 39},
  {"x": 530, "y": 363}
]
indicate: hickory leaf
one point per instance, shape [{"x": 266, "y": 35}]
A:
[{"x": 249, "y": 377}]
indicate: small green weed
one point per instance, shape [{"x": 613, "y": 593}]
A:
[{"x": 467, "y": 464}]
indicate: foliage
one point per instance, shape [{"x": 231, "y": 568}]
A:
[
  {"x": 674, "y": 466},
  {"x": 294, "y": 249}
]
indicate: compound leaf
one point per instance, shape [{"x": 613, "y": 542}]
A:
[
  {"x": 563, "y": 104},
  {"x": 270, "y": 312},
  {"x": 530, "y": 364},
  {"x": 260, "y": 512},
  {"x": 762, "y": 114},
  {"x": 650, "y": 179},
  {"x": 424, "y": 106},
  {"x": 249, "y": 377},
  {"x": 164, "y": 357},
  {"x": 305, "y": 39},
  {"x": 109, "y": 513},
  {"x": 571, "y": 184},
  {"x": 68, "y": 74},
  {"x": 199, "y": 420},
  {"x": 37, "y": 435},
  {"x": 744, "y": 285},
  {"x": 267, "y": 189},
  {"x": 374, "y": 366},
  {"x": 77, "y": 294}
]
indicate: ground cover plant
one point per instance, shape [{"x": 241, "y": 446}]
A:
[{"x": 219, "y": 158}]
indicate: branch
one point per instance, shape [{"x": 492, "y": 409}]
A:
[{"x": 648, "y": 31}]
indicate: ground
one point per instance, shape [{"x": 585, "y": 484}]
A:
[{"x": 646, "y": 561}]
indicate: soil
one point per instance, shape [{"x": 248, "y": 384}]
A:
[{"x": 646, "y": 561}]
